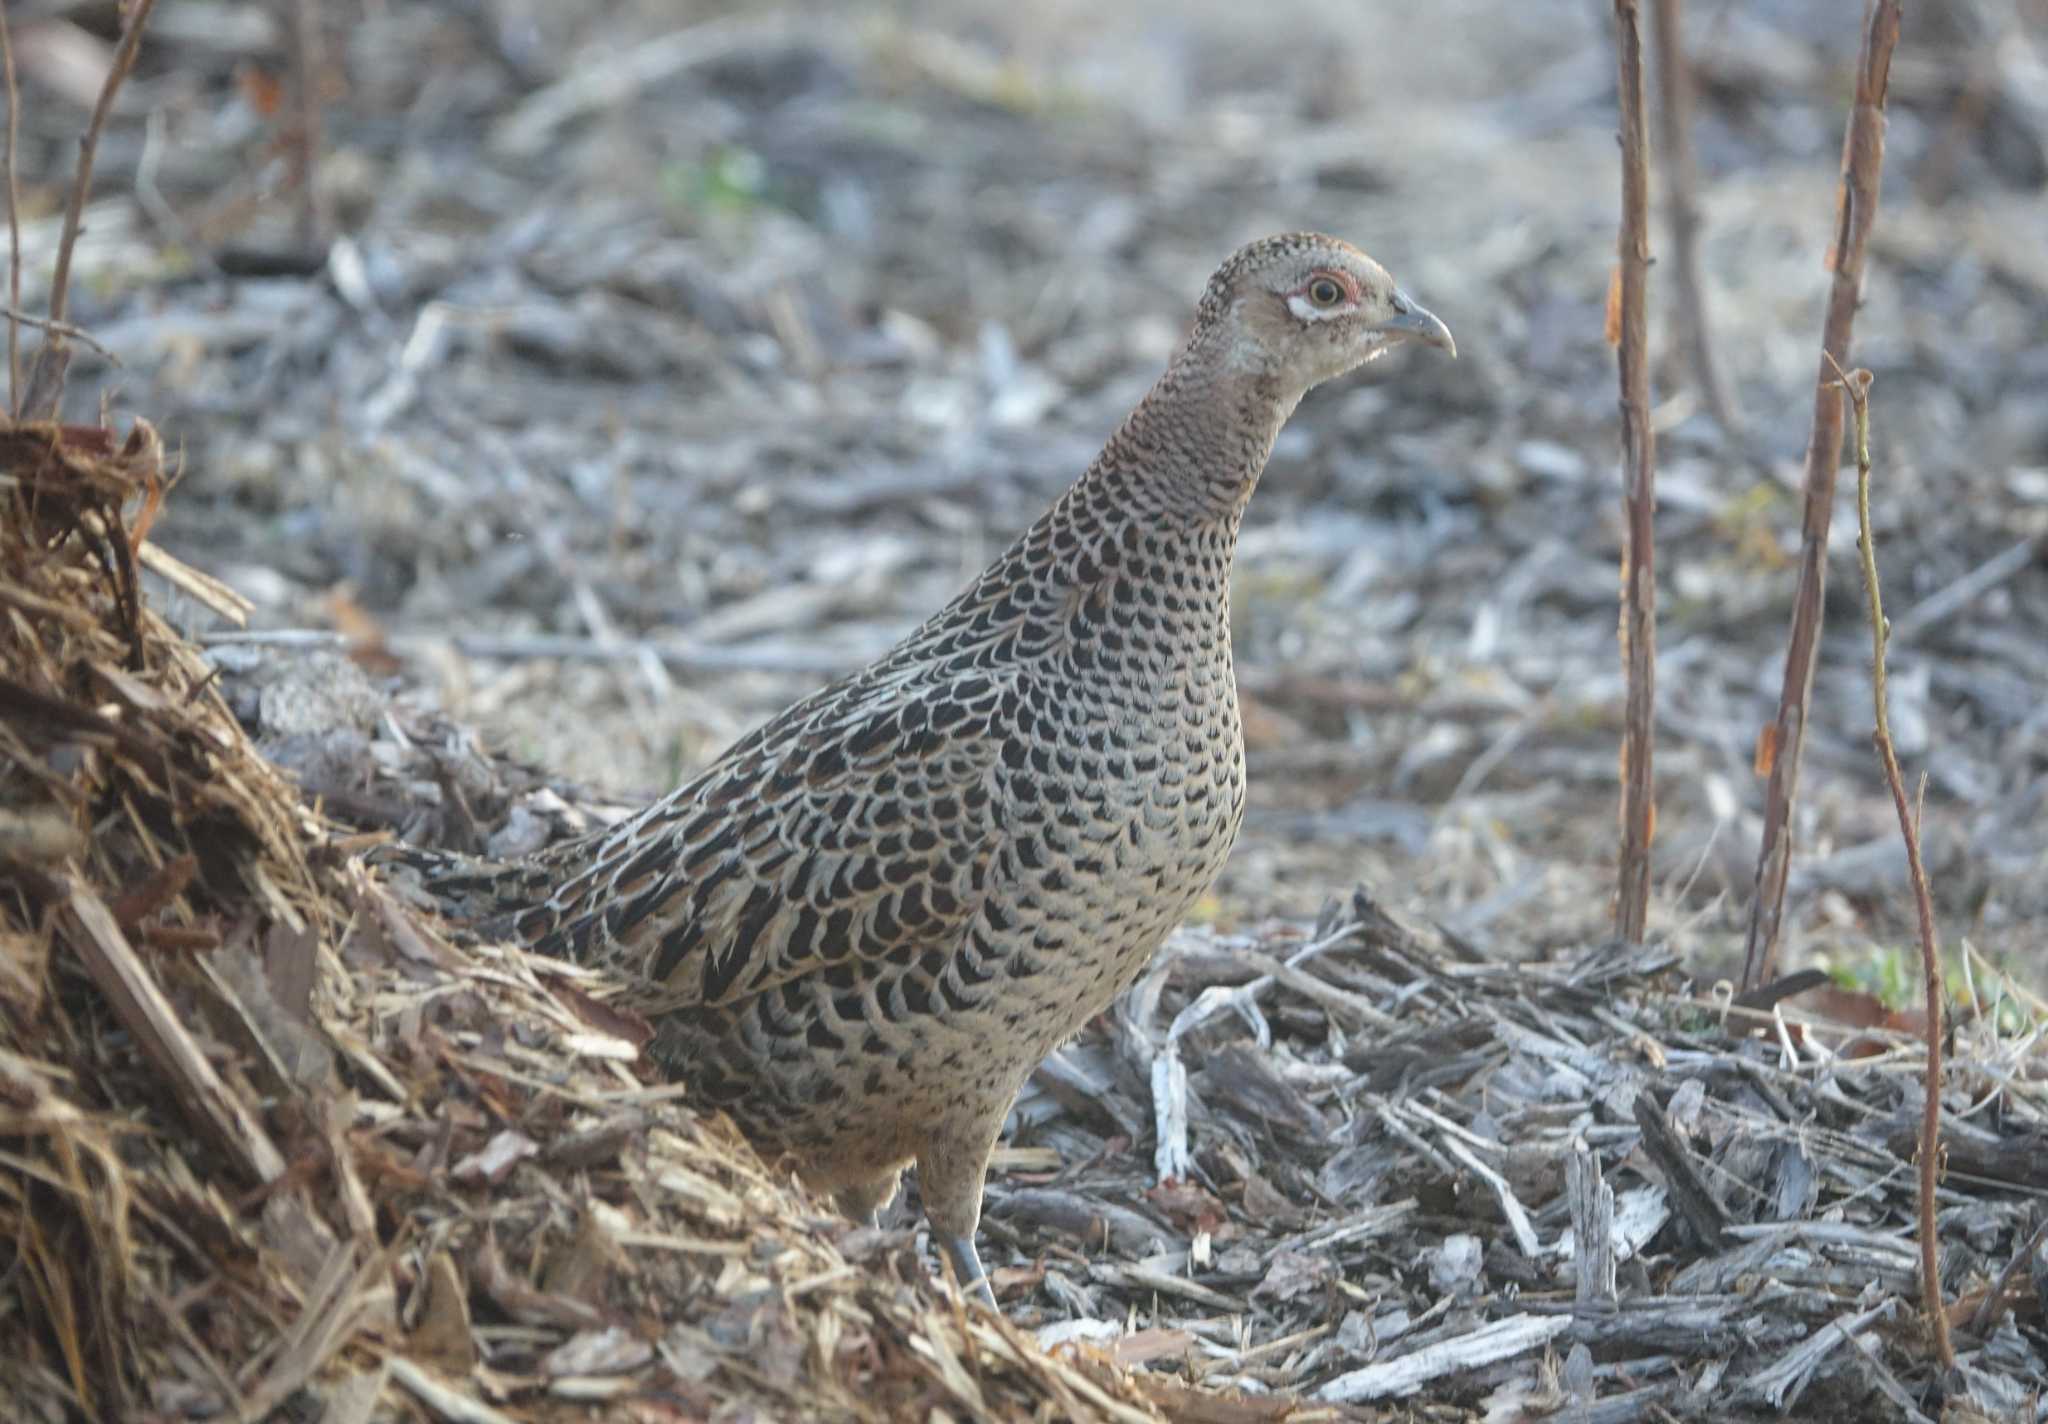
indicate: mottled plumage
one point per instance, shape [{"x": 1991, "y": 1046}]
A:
[{"x": 859, "y": 930}]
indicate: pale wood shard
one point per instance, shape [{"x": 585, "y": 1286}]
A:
[
  {"x": 1688, "y": 1188},
  {"x": 1492, "y": 1342},
  {"x": 448, "y": 1401},
  {"x": 1592, "y": 1229},
  {"x": 1781, "y": 1382},
  {"x": 142, "y": 1007},
  {"x": 202, "y": 586},
  {"x": 1510, "y": 1206}
]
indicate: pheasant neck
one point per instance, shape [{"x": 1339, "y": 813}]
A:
[
  {"x": 1141, "y": 545},
  {"x": 1191, "y": 453}
]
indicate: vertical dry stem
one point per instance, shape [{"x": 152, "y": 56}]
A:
[
  {"x": 1639, "y": 489},
  {"x": 46, "y": 382},
  {"x": 1681, "y": 207},
  {"x": 312, "y": 226},
  {"x": 1856, "y": 386},
  {"x": 13, "y": 218},
  {"x": 1783, "y": 739}
]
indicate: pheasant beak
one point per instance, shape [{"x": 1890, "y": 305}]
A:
[{"x": 1412, "y": 321}]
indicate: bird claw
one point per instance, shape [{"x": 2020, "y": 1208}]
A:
[{"x": 967, "y": 1268}]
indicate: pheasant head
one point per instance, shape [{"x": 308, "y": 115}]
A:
[
  {"x": 1297, "y": 309},
  {"x": 1283, "y": 314}
]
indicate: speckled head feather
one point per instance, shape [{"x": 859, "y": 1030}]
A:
[
  {"x": 862, "y": 926},
  {"x": 1283, "y": 252},
  {"x": 1282, "y": 315},
  {"x": 1305, "y": 307}
]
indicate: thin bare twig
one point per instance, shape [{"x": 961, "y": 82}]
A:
[
  {"x": 13, "y": 218},
  {"x": 60, "y": 328},
  {"x": 46, "y": 382},
  {"x": 1944, "y": 603},
  {"x": 1681, "y": 208},
  {"x": 1778, "y": 752},
  {"x": 1638, "y": 490},
  {"x": 2002, "y": 1292},
  {"x": 1855, "y": 385}
]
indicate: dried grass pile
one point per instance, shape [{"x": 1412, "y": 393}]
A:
[{"x": 267, "y": 1142}]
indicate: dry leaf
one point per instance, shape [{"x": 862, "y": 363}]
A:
[
  {"x": 144, "y": 449},
  {"x": 367, "y": 645},
  {"x": 443, "y": 1337},
  {"x": 582, "y": 1268},
  {"x": 494, "y": 1162},
  {"x": 1293, "y": 1273},
  {"x": 610, "y": 1351},
  {"x": 1188, "y": 1205},
  {"x": 608, "y": 1018},
  {"x": 163, "y": 885},
  {"x": 261, "y": 90},
  {"x": 1141, "y": 1347}
]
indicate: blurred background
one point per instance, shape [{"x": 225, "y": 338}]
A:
[{"x": 655, "y": 361}]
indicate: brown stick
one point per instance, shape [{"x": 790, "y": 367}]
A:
[
  {"x": 1638, "y": 490},
  {"x": 1681, "y": 210},
  {"x": 46, "y": 382},
  {"x": 2001, "y": 1295},
  {"x": 1783, "y": 739},
  {"x": 312, "y": 224},
  {"x": 13, "y": 219},
  {"x": 1856, "y": 386}
]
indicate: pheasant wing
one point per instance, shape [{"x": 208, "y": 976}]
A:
[{"x": 860, "y": 825}]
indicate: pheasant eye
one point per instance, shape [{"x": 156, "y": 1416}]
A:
[{"x": 1325, "y": 292}]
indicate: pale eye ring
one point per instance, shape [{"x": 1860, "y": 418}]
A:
[{"x": 1325, "y": 292}]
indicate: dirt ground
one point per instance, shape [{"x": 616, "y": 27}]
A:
[{"x": 744, "y": 335}]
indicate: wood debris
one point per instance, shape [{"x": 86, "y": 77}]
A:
[{"x": 275, "y": 1137}]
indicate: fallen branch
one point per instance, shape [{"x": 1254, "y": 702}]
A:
[
  {"x": 1855, "y": 385},
  {"x": 1782, "y": 740},
  {"x": 46, "y": 381},
  {"x": 1638, "y": 488}
]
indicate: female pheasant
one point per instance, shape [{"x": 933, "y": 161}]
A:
[{"x": 862, "y": 927}]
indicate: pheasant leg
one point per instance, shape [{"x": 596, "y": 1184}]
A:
[
  {"x": 967, "y": 1266},
  {"x": 864, "y": 1202},
  {"x": 950, "y": 1172}
]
